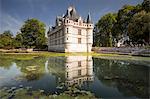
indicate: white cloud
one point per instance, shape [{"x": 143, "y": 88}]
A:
[{"x": 8, "y": 22}]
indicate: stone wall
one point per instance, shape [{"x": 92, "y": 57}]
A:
[{"x": 135, "y": 51}]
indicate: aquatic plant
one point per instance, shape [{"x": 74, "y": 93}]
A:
[{"x": 28, "y": 93}]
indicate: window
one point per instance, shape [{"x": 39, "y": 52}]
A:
[
  {"x": 79, "y": 40},
  {"x": 62, "y": 33},
  {"x": 58, "y": 41},
  {"x": 79, "y": 72},
  {"x": 55, "y": 42},
  {"x": 67, "y": 30},
  {"x": 79, "y": 31},
  {"x": 67, "y": 74},
  {"x": 80, "y": 23},
  {"x": 79, "y": 63},
  {"x": 62, "y": 40},
  {"x": 58, "y": 34},
  {"x": 55, "y": 35}
]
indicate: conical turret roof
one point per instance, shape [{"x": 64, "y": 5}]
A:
[
  {"x": 71, "y": 13},
  {"x": 89, "y": 20}
]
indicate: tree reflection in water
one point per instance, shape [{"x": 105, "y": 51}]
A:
[
  {"x": 130, "y": 79},
  {"x": 74, "y": 73},
  {"x": 32, "y": 69}
]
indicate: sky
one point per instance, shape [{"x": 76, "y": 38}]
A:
[{"x": 13, "y": 13}]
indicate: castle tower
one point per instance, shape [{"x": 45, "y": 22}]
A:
[{"x": 71, "y": 33}]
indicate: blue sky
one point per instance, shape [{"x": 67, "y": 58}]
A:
[{"x": 13, "y": 13}]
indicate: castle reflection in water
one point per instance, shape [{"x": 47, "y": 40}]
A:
[
  {"x": 103, "y": 77},
  {"x": 78, "y": 69}
]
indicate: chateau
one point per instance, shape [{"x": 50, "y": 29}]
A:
[{"x": 71, "y": 33}]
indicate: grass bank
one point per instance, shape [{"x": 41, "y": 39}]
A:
[{"x": 25, "y": 56}]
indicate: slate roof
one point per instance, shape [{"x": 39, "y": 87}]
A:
[
  {"x": 89, "y": 20},
  {"x": 72, "y": 13}
]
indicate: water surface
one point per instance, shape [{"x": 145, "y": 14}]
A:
[{"x": 103, "y": 77}]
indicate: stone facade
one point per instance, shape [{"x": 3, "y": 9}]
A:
[{"x": 71, "y": 33}]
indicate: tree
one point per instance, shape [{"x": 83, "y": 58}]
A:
[
  {"x": 6, "y": 39},
  {"x": 146, "y": 5},
  {"x": 139, "y": 27},
  {"x": 18, "y": 41},
  {"x": 105, "y": 25},
  {"x": 8, "y": 33},
  {"x": 130, "y": 22},
  {"x": 33, "y": 33},
  {"x": 123, "y": 18}
]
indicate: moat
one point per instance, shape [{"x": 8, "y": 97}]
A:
[{"x": 103, "y": 77}]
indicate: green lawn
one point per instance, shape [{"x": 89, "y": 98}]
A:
[{"x": 25, "y": 56}]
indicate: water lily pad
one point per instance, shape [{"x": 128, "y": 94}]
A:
[{"x": 31, "y": 68}]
